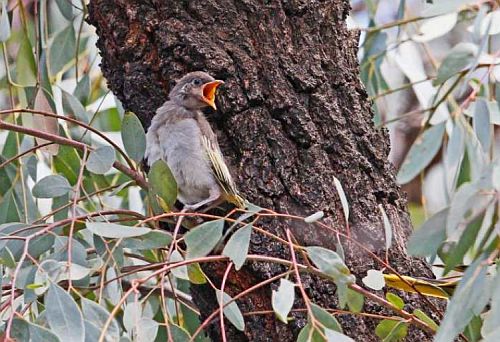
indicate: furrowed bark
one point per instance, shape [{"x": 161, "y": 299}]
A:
[{"x": 292, "y": 115}]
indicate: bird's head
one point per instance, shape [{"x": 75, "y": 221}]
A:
[{"x": 195, "y": 90}]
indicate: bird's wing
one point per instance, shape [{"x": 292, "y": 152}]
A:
[{"x": 221, "y": 172}]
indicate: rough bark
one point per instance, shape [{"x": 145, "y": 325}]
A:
[{"x": 292, "y": 115}]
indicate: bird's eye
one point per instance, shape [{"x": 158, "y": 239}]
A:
[{"x": 197, "y": 81}]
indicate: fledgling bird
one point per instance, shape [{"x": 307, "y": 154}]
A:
[{"x": 181, "y": 136}]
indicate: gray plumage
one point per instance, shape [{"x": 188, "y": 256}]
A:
[{"x": 181, "y": 136}]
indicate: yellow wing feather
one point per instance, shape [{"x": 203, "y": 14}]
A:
[{"x": 221, "y": 173}]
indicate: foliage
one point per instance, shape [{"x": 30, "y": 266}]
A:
[
  {"x": 456, "y": 86},
  {"x": 92, "y": 248}
]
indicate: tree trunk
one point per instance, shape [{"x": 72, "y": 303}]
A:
[{"x": 293, "y": 115}]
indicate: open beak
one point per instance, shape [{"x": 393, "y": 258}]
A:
[{"x": 209, "y": 92}]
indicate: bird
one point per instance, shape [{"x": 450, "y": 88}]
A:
[{"x": 182, "y": 137}]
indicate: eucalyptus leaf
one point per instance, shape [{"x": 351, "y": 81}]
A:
[
  {"x": 343, "y": 198},
  {"x": 426, "y": 240},
  {"x": 231, "y": 310},
  {"x": 457, "y": 59},
  {"x": 391, "y": 330},
  {"x": 41, "y": 334},
  {"x": 331, "y": 264},
  {"x": 66, "y": 8},
  {"x": 113, "y": 230},
  {"x": 73, "y": 107},
  {"x": 63, "y": 315},
  {"x": 4, "y": 23},
  {"x": 237, "y": 246},
  {"x": 46, "y": 124},
  {"x": 62, "y": 49},
  {"x": 421, "y": 153},
  {"x": 97, "y": 315},
  {"x": 325, "y": 318},
  {"x": 374, "y": 280},
  {"x": 335, "y": 336},
  {"x": 482, "y": 126},
  {"x": 282, "y": 299},
  {"x": 101, "y": 160},
  {"x": 82, "y": 90},
  {"x": 395, "y": 300},
  {"x": 51, "y": 186},
  {"x": 133, "y": 136},
  {"x": 25, "y": 64},
  {"x": 162, "y": 183},
  {"x": 469, "y": 299},
  {"x": 203, "y": 238},
  {"x": 387, "y": 227}
]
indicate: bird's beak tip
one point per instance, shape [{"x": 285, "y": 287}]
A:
[{"x": 209, "y": 92}]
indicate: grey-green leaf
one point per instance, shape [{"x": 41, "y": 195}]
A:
[
  {"x": 82, "y": 90},
  {"x": 25, "y": 64},
  {"x": 374, "y": 280},
  {"x": 66, "y": 8},
  {"x": 335, "y": 336},
  {"x": 4, "y": 23},
  {"x": 41, "y": 334},
  {"x": 101, "y": 160},
  {"x": 97, "y": 315},
  {"x": 51, "y": 186},
  {"x": 426, "y": 240},
  {"x": 387, "y": 227},
  {"x": 73, "y": 107},
  {"x": 421, "y": 153},
  {"x": 116, "y": 231},
  {"x": 231, "y": 311},
  {"x": 331, "y": 264},
  {"x": 325, "y": 318},
  {"x": 237, "y": 246},
  {"x": 202, "y": 239},
  {"x": 133, "y": 136},
  {"x": 163, "y": 183},
  {"x": 469, "y": 299},
  {"x": 457, "y": 59},
  {"x": 391, "y": 331},
  {"x": 63, "y": 315},
  {"x": 482, "y": 127},
  {"x": 282, "y": 299},
  {"x": 62, "y": 50}
]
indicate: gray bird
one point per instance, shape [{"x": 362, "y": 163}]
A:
[{"x": 181, "y": 136}]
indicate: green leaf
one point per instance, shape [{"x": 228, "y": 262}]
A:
[
  {"x": 116, "y": 231},
  {"x": 101, "y": 160},
  {"x": 133, "y": 136},
  {"x": 325, "y": 318},
  {"x": 374, "y": 280},
  {"x": 62, "y": 49},
  {"x": 63, "y": 315},
  {"x": 426, "y": 240},
  {"x": 97, "y": 315},
  {"x": 147, "y": 329},
  {"x": 395, "y": 300},
  {"x": 51, "y": 186},
  {"x": 82, "y": 90},
  {"x": 391, "y": 330},
  {"x": 231, "y": 311},
  {"x": 25, "y": 64},
  {"x": 335, "y": 336},
  {"x": 41, "y": 334},
  {"x": 179, "y": 334},
  {"x": 457, "y": 59},
  {"x": 4, "y": 23},
  {"x": 421, "y": 153},
  {"x": 355, "y": 300},
  {"x": 152, "y": 240},
  {"x": 469, "y": 299},
  {"x": 331, "y": 264},
  {"x": 180, "y": 272},
  {"x": 309, "y": 334},
  {"x": 73, "y": 107},
  {"x": 420, "y": 314},
  {"x": 482, "y": 126},
  {"x": 163, "y": 183},
  {"x": 237, "y": 246},
  {"x": 282, "y": 299},
  {"x": 66, "y": 8},
  {"x": 195, "y": 274},
  {"x": 202, "y": 239}
]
